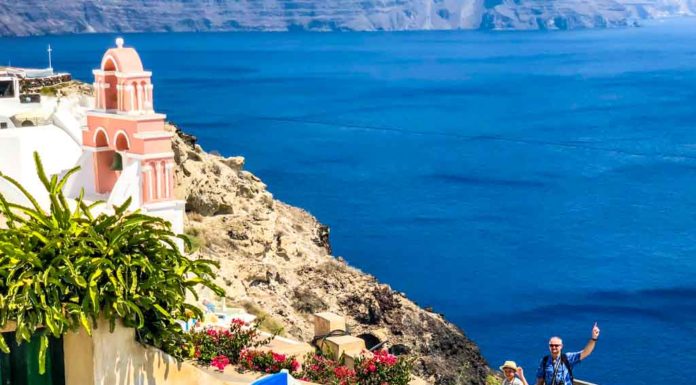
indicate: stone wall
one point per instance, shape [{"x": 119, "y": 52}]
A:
[
  {"x": 118, "y": 359},
  {"x": 35, "y": 84}
]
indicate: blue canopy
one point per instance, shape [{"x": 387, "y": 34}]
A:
[{"x": 281, "y": 378}]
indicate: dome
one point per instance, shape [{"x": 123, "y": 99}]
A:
[{"x": 121, "y": 59}]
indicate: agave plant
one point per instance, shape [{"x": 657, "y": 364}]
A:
[{"x": 62, "y": 269}]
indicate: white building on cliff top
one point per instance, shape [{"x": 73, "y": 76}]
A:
[{"x": 116, "y": 137}]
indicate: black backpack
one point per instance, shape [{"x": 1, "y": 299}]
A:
[{"x": 564, "y": 361}]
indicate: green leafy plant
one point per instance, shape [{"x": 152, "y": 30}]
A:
[{"x": 62, "y": 269}]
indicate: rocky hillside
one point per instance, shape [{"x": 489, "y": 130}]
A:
[
  {"x": 277, "y": 258},
  {"x": 36, "y": 17}
]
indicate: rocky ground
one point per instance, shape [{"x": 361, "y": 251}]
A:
[{"x": 277, "y": 258}]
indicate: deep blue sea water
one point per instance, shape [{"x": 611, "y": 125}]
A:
[{"x": 525, "y": 184}]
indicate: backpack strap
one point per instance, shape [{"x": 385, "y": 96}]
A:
[
  {"x": 564, "y": 359},
  {"x": 544, "y": 362}
]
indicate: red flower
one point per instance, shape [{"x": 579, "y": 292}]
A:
[
  {"x": 383, "y": 357},
  {"x": 278, "y": 357},
  {"x": 220, "y": 362},
  {"x": 343, "y": 372},
  {"x": 238, "y": 322}
]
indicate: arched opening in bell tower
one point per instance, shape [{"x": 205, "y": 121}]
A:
[
  {"x": 104, "y": 174},
  {"x": 111, "y": 91}
]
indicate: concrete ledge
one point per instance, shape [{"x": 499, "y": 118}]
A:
[
  {"x": 117, "y": 358},
  {"x": 325, "y": 323},
  {"x": 337, "y": 346}
]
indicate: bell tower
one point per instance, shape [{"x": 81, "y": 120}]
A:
[{"x": 131, "y": 150}]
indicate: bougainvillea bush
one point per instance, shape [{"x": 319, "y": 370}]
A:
[
  {"x": 212, "y": 343},
  {"x": 380, "y": 368},
  {"x": 383, "y": 368},
  {"x": 323, "y": 370},
  {"x": 267, "y": 362}
]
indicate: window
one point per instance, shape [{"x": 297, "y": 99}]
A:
[
  {"x": 3, "y": 125},
  {"x": 7, "y": 89}
]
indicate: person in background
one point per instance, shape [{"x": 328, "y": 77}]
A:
[
  {"x": 557, "y": 368},
  {"x": 514, "y": 375}
]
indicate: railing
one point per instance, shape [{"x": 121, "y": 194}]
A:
[{"x": 581, "y": 382}]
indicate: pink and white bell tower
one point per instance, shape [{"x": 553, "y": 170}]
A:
[{"x": 132, "y": 152}]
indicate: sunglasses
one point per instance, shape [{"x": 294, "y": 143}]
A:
[{"x": 554, "y": 345}]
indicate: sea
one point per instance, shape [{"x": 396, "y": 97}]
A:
[{"x": 523, "y": 184}]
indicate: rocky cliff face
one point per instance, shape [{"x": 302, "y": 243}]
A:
[
  {"x": 32, "y": 17},
  {"x": 277, "y": 258},
  {"x": 574, "y": 14}
]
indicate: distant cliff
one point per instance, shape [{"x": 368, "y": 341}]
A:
[{"x": 38, "y": 17}]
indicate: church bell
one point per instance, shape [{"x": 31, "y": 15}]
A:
[{"x": 117, "y": 162}]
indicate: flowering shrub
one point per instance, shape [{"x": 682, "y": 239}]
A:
[
  {"x": 267, "y": 362},
  {"x": 220, "y": 362},
  {"x": 323, "y": 370},
  {"x": 211, "y": 343},
  {"x": 383, "y": 368}
]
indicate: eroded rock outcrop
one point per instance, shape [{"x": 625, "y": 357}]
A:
[{"x": 278, "y": 257}]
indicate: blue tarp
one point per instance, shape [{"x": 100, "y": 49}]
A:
[{"x": 281, "y": 378}]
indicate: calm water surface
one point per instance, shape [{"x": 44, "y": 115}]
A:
[{"x": 524, "y": 184}]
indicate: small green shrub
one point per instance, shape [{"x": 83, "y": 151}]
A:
[
  {"x": 267, "y": 323},
  {"x": 493, "y": 380},
  {"x": 48, "y": 91}
]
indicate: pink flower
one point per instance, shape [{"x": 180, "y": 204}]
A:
[
  {"x": 383, "y": 357},
  {"x": 220, "y": 362},
  {"x": 343, "y": 372},
  {"x": 238, "y": 322},
  {"x": 278, "y": 357}
]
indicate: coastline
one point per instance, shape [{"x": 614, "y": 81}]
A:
[{"x": 276, "y": 258}]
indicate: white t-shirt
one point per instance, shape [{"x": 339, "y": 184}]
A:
[{"x": 515, "y": 381}]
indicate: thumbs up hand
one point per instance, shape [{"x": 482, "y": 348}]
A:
[{"x": 595, "y": 331}]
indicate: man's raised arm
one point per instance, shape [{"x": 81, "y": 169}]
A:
[{"x": 591, "y": 343}]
